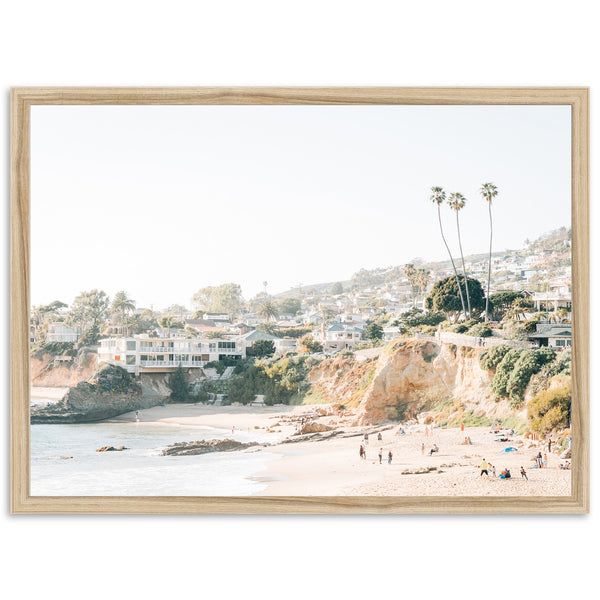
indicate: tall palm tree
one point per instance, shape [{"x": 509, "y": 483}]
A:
[
  {"x": 412, "y": 275},
  {"x": 423, "y": 278},
  {"x": 268, "y": 310},
  {"x": 123, "y": 305},
  {"x": 489, "y": 191},
  {"x": 457, "y": 202},
  {"x": 438, "y": 196}
]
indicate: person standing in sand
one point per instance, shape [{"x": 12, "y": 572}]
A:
[
  {"x": 390, "y": 457},
  {"x": 484, "y": 469},
  {"x": 422, "y": 447},
  {"x": 380, "y": 454}
]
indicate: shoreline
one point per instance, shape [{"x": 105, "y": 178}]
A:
[{"x": 332, "y": 467}]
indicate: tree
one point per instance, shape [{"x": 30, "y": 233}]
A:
[
  {"x": 412, "y": 275},
  {"x": 225, "y": 298},
  {"x": 309, "y": 344},
  {"x": 89, "y": 308},
  {"x": 167, "y": 322},
  {"x": 374, "y": 332},
  {"x": 423, "y": 277},
  {"x": 288, "y": 305},
  {"x": 438, "y": 196},
  {"x": 122, "y": 305},
  {"x": 262, "y": 349},
  {"x": 445, "y": 296},
  {"x": 551, "y": 410},
  {"x": 180, "y": 390},
  {"x": 268, "y": 310},
  {"x": 457, "y": 203},
  {"x": 90, "y": 336},
  {"x": 500, "y": 302},
  {"x": 337, "y": 289},
  {"x": 489, "y": 191}
]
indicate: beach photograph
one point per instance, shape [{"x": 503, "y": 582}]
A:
[{"x": 301, "y": 300}]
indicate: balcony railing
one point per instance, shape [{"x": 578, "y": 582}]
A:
[{"x": 170, "y": 363}]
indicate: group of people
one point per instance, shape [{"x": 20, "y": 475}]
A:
[
  {"x": 363, "y": 455},
  {"x": 542, "y": 462},
  {"x": 487, "y": 469}
]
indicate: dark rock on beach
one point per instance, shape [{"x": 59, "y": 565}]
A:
[
  {"x": 110, "y": 392},
  {"x": 205, "y": 446},
  {"x": 111, "y": 449}
]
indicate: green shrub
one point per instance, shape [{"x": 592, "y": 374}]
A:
[
  {"x": 550, "y": 410},
  {"x": 491, "y": 358},
  {"x": 503, "y": 371},
  {"x": 480, "y": 330},
  {"x": 458, "y": 328}
]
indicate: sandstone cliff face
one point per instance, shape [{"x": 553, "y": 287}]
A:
[
  {"x": 110, "y": 392},
  {"x": 47, "y": 372},
  {"x": 409, "y": 377}
]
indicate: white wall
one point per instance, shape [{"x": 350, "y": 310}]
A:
[{"x": 302, "y": 43}]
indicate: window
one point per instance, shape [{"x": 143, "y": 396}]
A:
[
  {"x": 131, "y": 345},
  {"x": 131, "y": 360}
]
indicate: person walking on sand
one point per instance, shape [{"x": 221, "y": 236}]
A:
[
  {"x": 361, "y": 451},
  {"x": 545, "y": 461},
  {"x": 380, "y": 454},
  {"x": 422, "y": 448},
  {"x": 137, "y": 416},
  {"x": 523, "y": 474},
  {"x": 484, "y": 468},
  {"x": 550, "y": 445},
  {"x": 390, "y": 457}
]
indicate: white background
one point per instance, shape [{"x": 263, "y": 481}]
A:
[{"x": 298, "y": 43}]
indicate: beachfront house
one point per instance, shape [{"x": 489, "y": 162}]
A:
[
  {"x": 554, "y": 336},
  {"x": 339, "y": 336},
  {"x": 144, "y": 354}
]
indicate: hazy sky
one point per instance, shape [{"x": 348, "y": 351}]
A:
[{"x": 161, "y": 201}]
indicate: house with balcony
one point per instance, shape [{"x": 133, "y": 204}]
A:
[
  {"x": 145, "y": 354},
  {"x": 339, "y": 336},
  {"x": 59, "y": 332}
]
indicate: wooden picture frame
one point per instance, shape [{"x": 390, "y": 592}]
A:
[{"x": 22, "y": 99}]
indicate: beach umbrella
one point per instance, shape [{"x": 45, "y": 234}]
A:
[{"x": 509, "y": 449}]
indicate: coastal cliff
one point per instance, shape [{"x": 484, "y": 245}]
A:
[
  {"x": 66, "y": 370},
  {"x": 110, "y": 392},
  {"x": 408, "y": 378}
]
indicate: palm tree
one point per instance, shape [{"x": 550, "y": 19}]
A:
[
  {"x": 423, "y": 278},
  {"x": 457, "y": 202},
  {"x": 167, "y": 323},
  {"x": 123, "y": 305},
  {"x": 412, "y": 275},
  {"x": 489, "y": 191},
  {"x": 438, "y": 196},
  {"x": 268, "y": 310}
]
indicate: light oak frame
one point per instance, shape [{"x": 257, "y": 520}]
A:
[{"x": 21, "y": 101}]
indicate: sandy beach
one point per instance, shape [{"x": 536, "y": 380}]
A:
[{"x": 332, "y": 467}]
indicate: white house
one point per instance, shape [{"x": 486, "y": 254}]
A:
[
  {"x": 143, "y": 354},
  {"x": 59, "y": 332},
  {"x": 555, "y": 336}
]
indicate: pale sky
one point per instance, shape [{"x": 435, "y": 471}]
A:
[{"x": 161, "y": 201}]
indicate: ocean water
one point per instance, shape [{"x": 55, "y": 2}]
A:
[{"x": 140, "y": 470}]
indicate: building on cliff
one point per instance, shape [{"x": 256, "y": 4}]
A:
[{"x": 143, "y": 354}]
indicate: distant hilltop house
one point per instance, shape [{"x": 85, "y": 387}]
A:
[
  {"x": 145, "y": 354},
  {"x": 281, "y": 344},
  {"x": 59, "y": 332},
  {"x": 554, "y": 336},
  {"x": 204, "y": 325},
  {"x": 339, "y": 336},
  {"x": 220, "y": 319}
]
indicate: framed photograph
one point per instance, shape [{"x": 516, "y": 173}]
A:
[{"x": 299, "y": 300}]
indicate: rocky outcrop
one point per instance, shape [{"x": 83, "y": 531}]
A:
[
  {"x": 111, "y": 449},
  {"x": 205, "y": 446},
  {"x": 110, "y": 392},
  {"x": 314, "y": 428}
]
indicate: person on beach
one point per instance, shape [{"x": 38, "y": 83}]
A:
[
  {"x": 484, "y": 469},
  {"x": 422, "y": 448},
  {"x": 493, "y": 471},
  {"x": 390, "y": 457},
  {"x": 367, "y": 439},
  {"x": 380, "y": 454},
  {"x": 545, "y": 461},
  {"x": 379, "y": 438},
  {"x": 233, "y": 430},
  {"x": 361, "y": 451},
  {"x": 550, "y": 445},
  {"x": 539, "y": 460},
  {"x": 523, "y": 474},
  {"x": 462, "y": 426},
  {"x": 137, "y": 415},
  {"x": 434, "y": 449}
]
